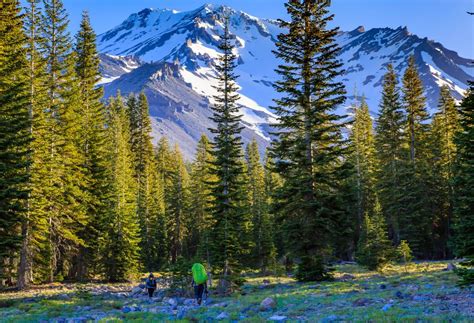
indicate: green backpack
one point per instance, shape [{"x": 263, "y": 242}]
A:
[{"x": 199, "y": 274}]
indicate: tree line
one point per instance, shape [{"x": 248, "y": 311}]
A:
[{"x": 84, "y": 194}]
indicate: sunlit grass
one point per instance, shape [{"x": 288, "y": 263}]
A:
[{"x": 297, "y": 301}]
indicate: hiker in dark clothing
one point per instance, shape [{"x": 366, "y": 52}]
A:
[{"x": 150, "y": 285}]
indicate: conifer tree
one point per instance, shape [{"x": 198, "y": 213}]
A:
[
  {"x": 34, "y": 225},
  {"x": 144, "y": 165},
  {"x": 416, "y": 223},
  {"x": 463, "y": 240},
  {"x": 157, "y": 237},
  {"x": 390, "y": 152},
  {"x": 14, "y": 136},
  {"x": 414, "y": 103},
  {"x": 374, "y": 250},
  {"x": 62, "y": 192},
  {"x": 164, "y": 167},
  {"x": 273, "y": 183},
  {"x": 227, "y": 192},
  {"x": 200, "y": 222},
  {"x": 177, "y": 205},
  {"x": 92, "y": 146},
  {"x": 262, "y": 231},
  {"x": 363, "y": 157},
  {"x": 445, "y": 124},
  {"x": 309, "y": 145},
  {"x": 120, "y": 248}
]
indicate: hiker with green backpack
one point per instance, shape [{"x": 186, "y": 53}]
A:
[{"x": 199, "y": 281}]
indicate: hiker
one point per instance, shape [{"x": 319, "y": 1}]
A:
[
  {"x": 150, "y": 285},
  {"x": 199, "y": 281}
]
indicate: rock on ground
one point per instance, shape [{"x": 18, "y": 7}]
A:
[
  {"x": 278, "y": 318},
  {"x": 450, "y": 267},
  {"x": 267, "y": 304},
  {"x": 222, "y": 316}
]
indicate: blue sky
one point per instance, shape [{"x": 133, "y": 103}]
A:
[{"x": 445, "y": 21}]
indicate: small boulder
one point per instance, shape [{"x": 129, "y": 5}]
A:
[
  {"x": 277, "y": 318},
  {"x": 222, "y": 316},
  {"x": 64, "y": 297},
  {"x": 386, "y": 307},
  {"x": 399, "y": 294},
  {"x": 132, "y": 308},
  {"x": 223, "y": 304},
  {"x": 347, "y": 277},
  {"x": 189, "y": 302},
  {"x": 361, "y": 302},
  {"x": 208, "y": 301},
  {"x": 383, "y": 286},
  {"x": 451, "y": 267},
  {"x": 136, "y": 290},
  {"x": 266, "y": 282},
  {"x": 267, "y": 304},
  {"x": 170, "y": 301}
]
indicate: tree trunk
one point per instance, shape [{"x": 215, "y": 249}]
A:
[{"x": 24, "y": 270}]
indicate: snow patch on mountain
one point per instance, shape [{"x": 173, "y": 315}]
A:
[{"x": 188, "y": 43}]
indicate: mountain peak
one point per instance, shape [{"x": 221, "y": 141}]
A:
[
  {"x": 145, "y": 12},
  {"x": 405, "y": 30},
  {"x": 178, "y": 54},
  {"x": 359, "y": 30}
]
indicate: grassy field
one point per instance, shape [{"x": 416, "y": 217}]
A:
[{"x": 420, "y": 292}]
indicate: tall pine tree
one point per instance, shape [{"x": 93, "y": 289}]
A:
[
  {"x": 61, "y": 193},
  {"x": 177, "y": 205},
  {"x": 309, "y": 145},
  {"x": 120, "y": 246},
  {"x": 34, "y": 225},
  {"x": 463, "y": 241},
  {"x": 200, "y": 222},
  {"x": 363, "y": 158},
  {"x": 15, "y": 136},
  {"x": 227, "y": 212},
  {"x": 416, "y": 222},
  {"x": 445, "y": 125},
  {"x": 390, "y": 152},
  {"x": 164, "y": 166},
  {"x": 92, "y": 146},
  {"x": 145, "y": 169},
  {"x": 262, "y": 231}
]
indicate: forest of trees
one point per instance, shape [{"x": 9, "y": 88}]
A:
[{"x": 84, "y": 194}]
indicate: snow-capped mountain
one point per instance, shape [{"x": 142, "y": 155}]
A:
[{"x": 171, "y": 56}]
